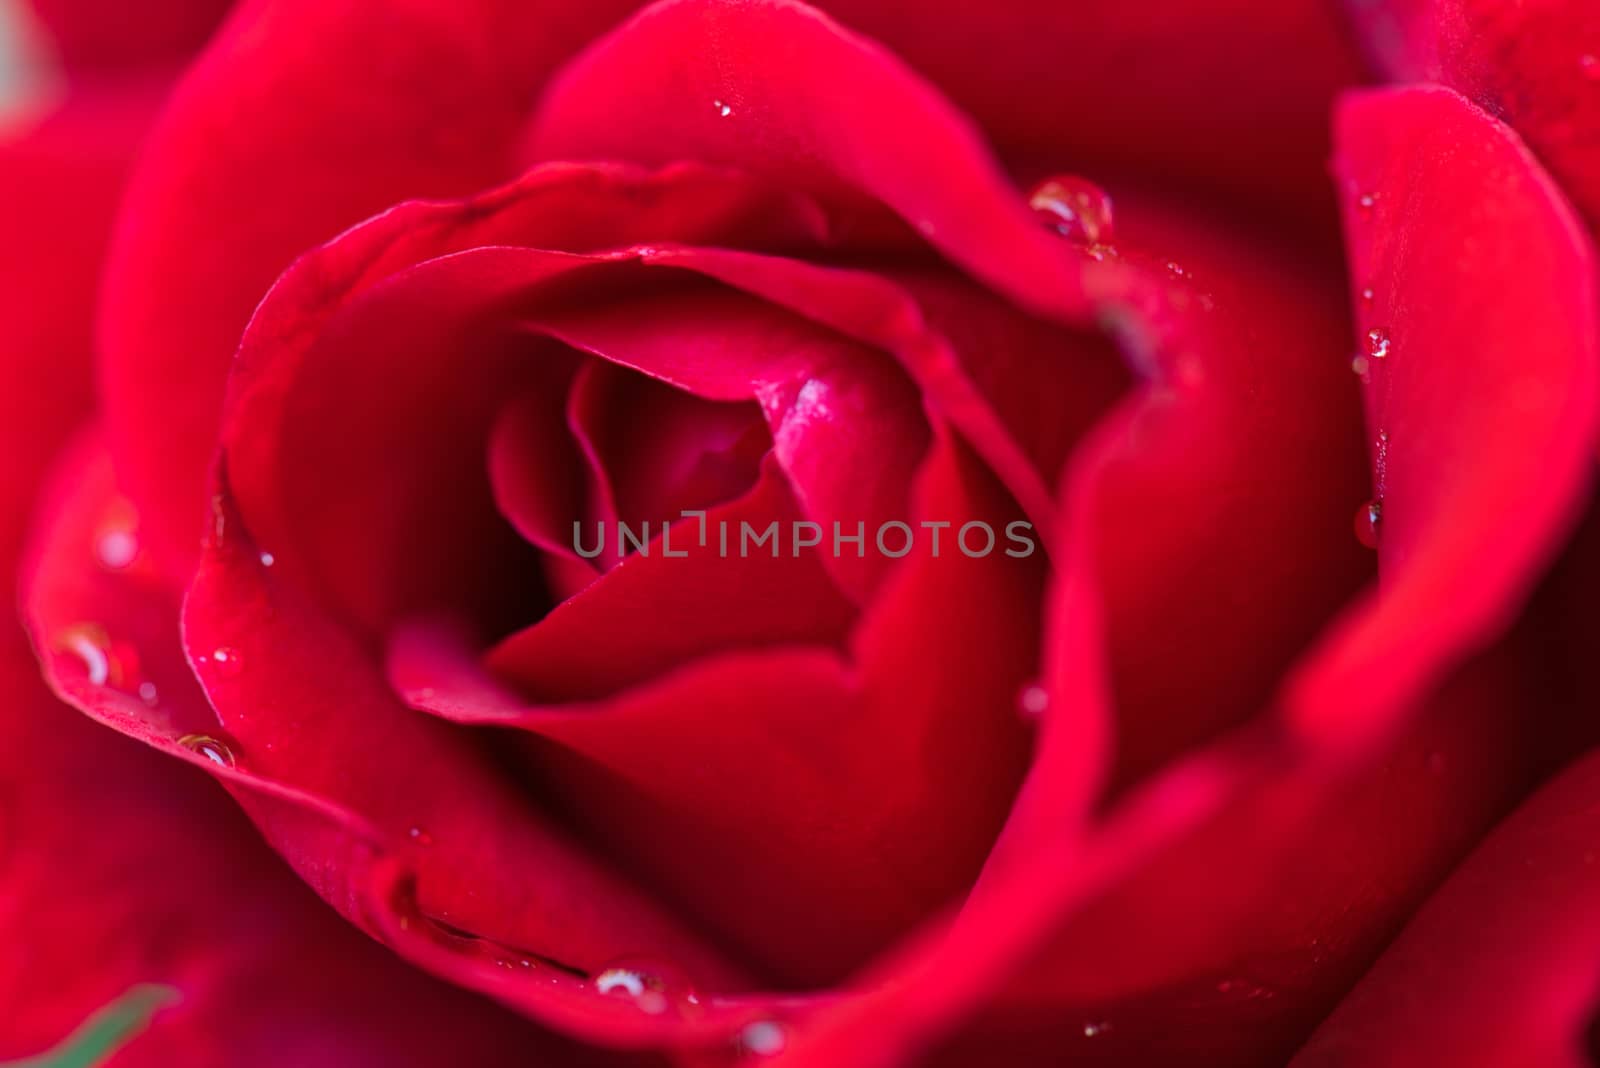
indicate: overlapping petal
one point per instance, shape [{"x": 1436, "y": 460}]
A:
[
  {"x": 1535, "y": 67},
  {"x": 1502, "y": 966},
  {"x": 1251, "y": 830}
]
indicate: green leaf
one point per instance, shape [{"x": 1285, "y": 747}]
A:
[{"x": 108, "y": 1030}]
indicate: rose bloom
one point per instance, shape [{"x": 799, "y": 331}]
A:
[{"x": 327, "y": 346}]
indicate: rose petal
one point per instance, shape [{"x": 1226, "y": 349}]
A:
[
  {"x": 316, "y": 453},
  {"x": 661, "y": 450},
  {"x": 851, "y": 798},
  {"x": 1484, "y": 405},
  {"x": 321, "y": 785},
  {"x": 1245, "y": 830},
  {"x": 1535, "y": 67},
  {"x": 1117, "y": 87},
  {"x": 1503, "y": 964},
  {"x": 749, "y": 97},
  {"x": 96, "y": 37},
  {"x": 60, "y": 180},
  {"x": 432, "y": 110},
  {"x": 655, "y": 612},
  {"x": 114, "y": 855}
]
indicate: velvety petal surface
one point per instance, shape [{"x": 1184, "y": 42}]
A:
[
  {"x": 220, "y": 207},
  {"x": 1502, "y": 966},
  {"x": 873, "y": 781},
  {"x": 121, "y": 870},
  {"x": 724, "y": 345},
  {"x": 1534, "y": 66},
  {"x": 1117, "y": 88},
  {"x": 94, "y": 38},
  {"x": 748, "y": 97},
  {"x": 1396, "y": 754},
  {"x": 60, "y": 178},
  {"x": 115, "y": 856},
  {"x": 1482, "y": 368}
]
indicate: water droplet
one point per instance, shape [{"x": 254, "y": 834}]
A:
[
  {"x": 209, "y": 746},
  {"x": 1366, "y": 202},
  {"x": 764, "y": 1038},
  {"x": 420, "y": 837},
  {"x": 1380, "y": 462},
  {"x": 106, "y": 662},
  {"x": 116, "y": 542},
  {"x": 1369, "y": 518},
  {"x": 1075, "y": 208},
  {"x": 1366, "y": 295},
  {"x": 1378, "y": 343},
  {"x": 116, "y": 548},
  {"x": 224, "y": 660},
  {"x": 722, "y": 109},
  {"x": 1589, "y": 66},
  {"x": 267, "y": 559},
  {"x": 1034, "y": 700},
  {"x": 88, "y": 642},
  {"x": 1176, "y": 270},
  {"x": 1360, "y": 367},
  {"x": 653, "y": 986},
  {"x": 148, "y": 694},
  {"x": 1096, "y": 1028}
]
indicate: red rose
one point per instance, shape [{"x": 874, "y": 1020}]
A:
[{"x": 701, "y": 530}]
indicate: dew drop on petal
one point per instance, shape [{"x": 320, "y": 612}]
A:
[
  {"x": 1033, "y": 701},
  {"x": 722, "y": 109},
  {"x": 267, "y": 559},
  {"x": 148, "y": 694},
  {"x": 620, "y": 980},
  {"x": 106, "y": 662},
  {"x": 1378, "y": 343},
  {"x": 763, "y": 1038},
  {"x": 88, "y": 642},
  {"x": 1589, "y": 66},
  {"x": 116, "y": 548},
  {"x": 1360, "y": 366},
  {"x": 652, "y": 986},
  {"x": 1369, "y": 519},
  {"x": 211, "y": 747},
  {"x": 1366, "y": 295},
  {"x": 1366, "y": 202},
  {"x": 1075, "y": 208},
  {"x": 224, "y": 660},
  {"x": 420, "y": 837},
  {"x": 116, "y": 542},
  {"x": 1096, "y": 1028}
]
